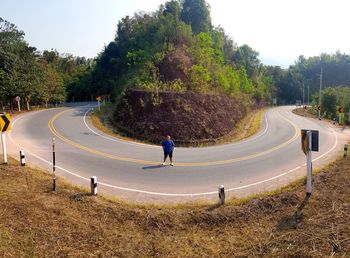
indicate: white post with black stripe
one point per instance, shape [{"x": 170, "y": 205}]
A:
[
  {"x": 53, "y": 165},
  {"x": 309, "y": 164},
  {"x": 345, "y": 151},
  {"x": 221, "y": 191},
  {"x": 4, "y": 149},
  {"x": 93, "y": 185},
  {"x": 22, "y": 158}
]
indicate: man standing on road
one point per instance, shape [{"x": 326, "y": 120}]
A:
[{"x": 168, "y": 147}]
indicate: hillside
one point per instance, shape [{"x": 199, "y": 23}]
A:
[
  {"x": 177, "y": 49},
  {"x": 36, "y": 222},
  {"x": 189, "y": 118}
]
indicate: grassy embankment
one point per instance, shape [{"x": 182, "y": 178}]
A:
[{"x": 37, "y": 222}]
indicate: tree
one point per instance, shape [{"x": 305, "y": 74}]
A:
[
  {"x": 329, "y": 104},
  {"x": 246, "y": 57},
  {"x": 197, "y": 14}
]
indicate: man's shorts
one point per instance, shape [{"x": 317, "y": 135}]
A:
[{"x": 168, "y": 153}]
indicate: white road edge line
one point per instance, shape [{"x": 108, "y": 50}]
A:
[{"x": 174, "y": 194}]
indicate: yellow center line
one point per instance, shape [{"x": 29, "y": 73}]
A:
[{"x": 148, "y": 162}]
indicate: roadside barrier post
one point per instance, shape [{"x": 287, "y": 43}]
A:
[
  {"x": 4, "y": 150},
  {"x": 309, "y": 164},
  {"x": 93, "y": 185},
  {"x": 221, "y": 191},
  {"x": 345, "y": 151},
  {"x": 22, "y": 158},
  {"x": 53, "y": 165}
]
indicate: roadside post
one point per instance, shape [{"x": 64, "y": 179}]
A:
[
  {"x": 93, "y": 185},
  {"x": 341, "y": 115},
  {"x": 274, "y": 101},
  {"x": 5, "y": 125},
  {"x": 345, "y": 151},
  {"x": 309, "y": 163},
  {"x": 27, "y": 101},
  {"x": 18, "y": 103},
  {"x": 309, "y": 143},
  {"x": 4, "y": 150},
  {"x": 221, "y": 191},
  {"x": 53, "y": 165},
  {"x": 98, "y": 103},
  {"x": 22, "y": 158}
]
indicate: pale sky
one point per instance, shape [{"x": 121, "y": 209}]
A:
[{"x": 280, "y": 30}]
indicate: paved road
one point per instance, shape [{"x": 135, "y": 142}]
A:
[{"x": 131, "y": 170}]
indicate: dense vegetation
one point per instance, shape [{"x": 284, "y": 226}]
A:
[
  {"x": 176, "y": 48},
  {"x": 38, "y": 78},
  {"x": 306, "y": 71}
]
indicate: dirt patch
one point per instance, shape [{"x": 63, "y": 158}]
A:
[
  {"x": 69, "y": 222},
  {"x": 190, "y": 118}
]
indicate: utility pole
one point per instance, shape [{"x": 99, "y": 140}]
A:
[
  {"x": 319, "y": 99},
  {"x": 303, "y": 95},
  {"x": 308, "y": 94}
]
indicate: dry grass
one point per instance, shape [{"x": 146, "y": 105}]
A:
[
  {"x": 35, "y": 222},
  {"x": 249, "y": 126}
]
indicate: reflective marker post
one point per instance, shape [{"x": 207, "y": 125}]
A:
[
  {"x": 4, "y": 150},
  {"x": 345, "y": 151},
  {"x": 22, "y": 158},
  {"x": 93, "y": 185},
  {"x": 221, "y": 191},
  {"x": 53, "y": 164},
  {"x": 309, "y": 164},
  {"x": 309, "y": 143},
  {"x": 18, "y": 103},
  {"x": 5, "y": 125}
]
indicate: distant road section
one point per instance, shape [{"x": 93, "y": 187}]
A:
[{"x": 133, "y": 171}]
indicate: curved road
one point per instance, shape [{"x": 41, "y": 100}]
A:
[{"x": 132, "y": 171}]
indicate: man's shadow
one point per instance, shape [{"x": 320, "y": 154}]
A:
[
  {"x": 153, "y": 167},
  {"x": 292, "y": 221}
]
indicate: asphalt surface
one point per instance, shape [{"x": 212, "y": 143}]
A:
[{"x": 133, "y": 171}]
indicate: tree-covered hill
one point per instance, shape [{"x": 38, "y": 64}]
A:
[{"x": 176, "y": 48}]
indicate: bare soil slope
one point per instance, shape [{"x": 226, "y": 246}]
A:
[{"x": 187, "y": 117}]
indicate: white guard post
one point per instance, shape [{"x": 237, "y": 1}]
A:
[
  {"x": 22, "y": 158},
  {"x": 93, "y": 185},
  {"x": 4, "y": 149},
  {"x": 309, "y": 164},
  {"x": 221, "y": 191}
]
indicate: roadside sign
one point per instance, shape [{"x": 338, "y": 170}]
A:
[
  {"x": 305, "y": 142},
  {"x": 5, "y": 123},
  {"x": 18, "y": 98},
  {"x": 98, "y": 98},
  {"x": 309, "y": 143},
  {"x": 340, "y": 110}
]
